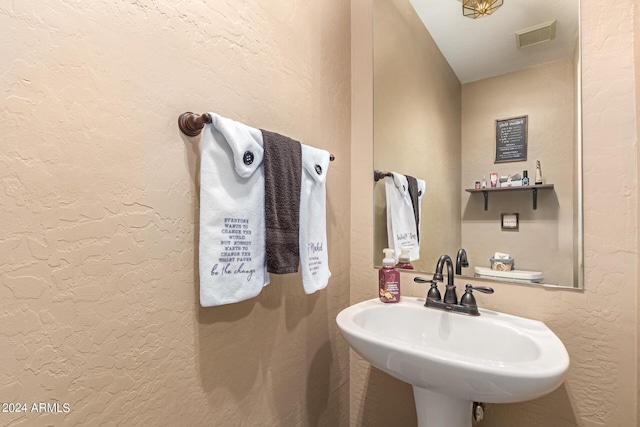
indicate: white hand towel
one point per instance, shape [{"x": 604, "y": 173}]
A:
[
  {"x": 232, "y": 260},
  {"x": 314, "y": 258},
  {"x": 401, "y": 220}
]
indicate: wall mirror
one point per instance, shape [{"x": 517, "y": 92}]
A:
[{"x": 443, "y": 84}]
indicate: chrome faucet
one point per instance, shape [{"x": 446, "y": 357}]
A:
[
  {"x": 461, "y": 261},
  {"x": 467, "y": 303}
]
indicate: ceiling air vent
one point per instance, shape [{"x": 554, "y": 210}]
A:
[{"x": 537, "y": 34}]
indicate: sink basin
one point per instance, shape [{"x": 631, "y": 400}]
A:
[{"x": 452, "y": 359}]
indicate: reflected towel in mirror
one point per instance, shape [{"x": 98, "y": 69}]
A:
[{"x": 402, "y": 220}]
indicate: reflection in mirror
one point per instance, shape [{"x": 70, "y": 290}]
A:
[{"x": 443, "y": 84}]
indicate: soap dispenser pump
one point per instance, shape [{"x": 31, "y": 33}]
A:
[
  {"x": 389, "y": 278},
  {"x": 404, "y": 261}
]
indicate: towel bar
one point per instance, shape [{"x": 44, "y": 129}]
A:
[
  {"x": 378, "y": 175},
  {"x": 191, "y": 124}
]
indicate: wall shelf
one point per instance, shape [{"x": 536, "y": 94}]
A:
[{"x": 533, "y": 188}]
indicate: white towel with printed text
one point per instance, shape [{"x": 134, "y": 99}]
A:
[
  {"x": 314, "y": 258},
  {"x": 232, "y": 262}
]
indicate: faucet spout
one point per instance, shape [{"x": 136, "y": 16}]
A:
[
  {"x": 440, "y": 265},
  {"x": 461, "y": 261}
]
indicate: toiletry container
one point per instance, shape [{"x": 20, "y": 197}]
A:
[
  {"x": 494, "y": 179},
  {"x": 539, "y": 180},
  {"x": 501, "y": 264},
  {"x": 404, "y": 261},
  {"x": 525, "y": 177},
  {"x": 389, "y": 278}
]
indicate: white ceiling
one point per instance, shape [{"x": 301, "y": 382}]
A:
[{"x": 486, "y": 47}]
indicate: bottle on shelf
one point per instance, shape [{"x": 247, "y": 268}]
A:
[{"x": 539, "y": 180}]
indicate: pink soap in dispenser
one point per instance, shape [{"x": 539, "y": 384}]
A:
[
  {"x": 389, "y": 278},
  {"x": 404, "y": 260}
]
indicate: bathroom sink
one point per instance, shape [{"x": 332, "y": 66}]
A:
[{"x": 453, "y": 359}]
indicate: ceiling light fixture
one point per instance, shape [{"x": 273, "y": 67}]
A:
[{"x": 478, "y": 8}]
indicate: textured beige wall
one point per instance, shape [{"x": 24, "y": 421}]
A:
[
  {"x": 544, "y": 240},
  {"x": 599, "y": 325},
  {"x": 636, "y": 32},
  {"x": 417, "y": 98},
  {"x": 99, "y": 207}
]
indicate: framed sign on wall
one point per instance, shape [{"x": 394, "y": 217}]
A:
[
  {"x": 511, "y": 139},
  {"x": 510, "y": 221}
]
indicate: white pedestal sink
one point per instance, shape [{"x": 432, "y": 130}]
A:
[{"x": 452, "y": 359}]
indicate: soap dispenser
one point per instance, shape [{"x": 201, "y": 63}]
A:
[
  {"x": 389, "y": 278},
  {"x": 404, "y": 261}
]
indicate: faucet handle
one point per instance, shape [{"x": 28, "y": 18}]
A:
[
  {"x": 438, "y": 277},
  {"x": 483, "y": 289},
  {"x": 468, "y": 299},
  {"x": 434, "y": 293}
]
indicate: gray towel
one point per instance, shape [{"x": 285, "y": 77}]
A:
[
  {"x": 413, "y": 193},
  {"x": 282, "y": 175}
]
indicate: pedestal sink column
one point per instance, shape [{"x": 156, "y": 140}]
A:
[{"x": 438, "y": 410}]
